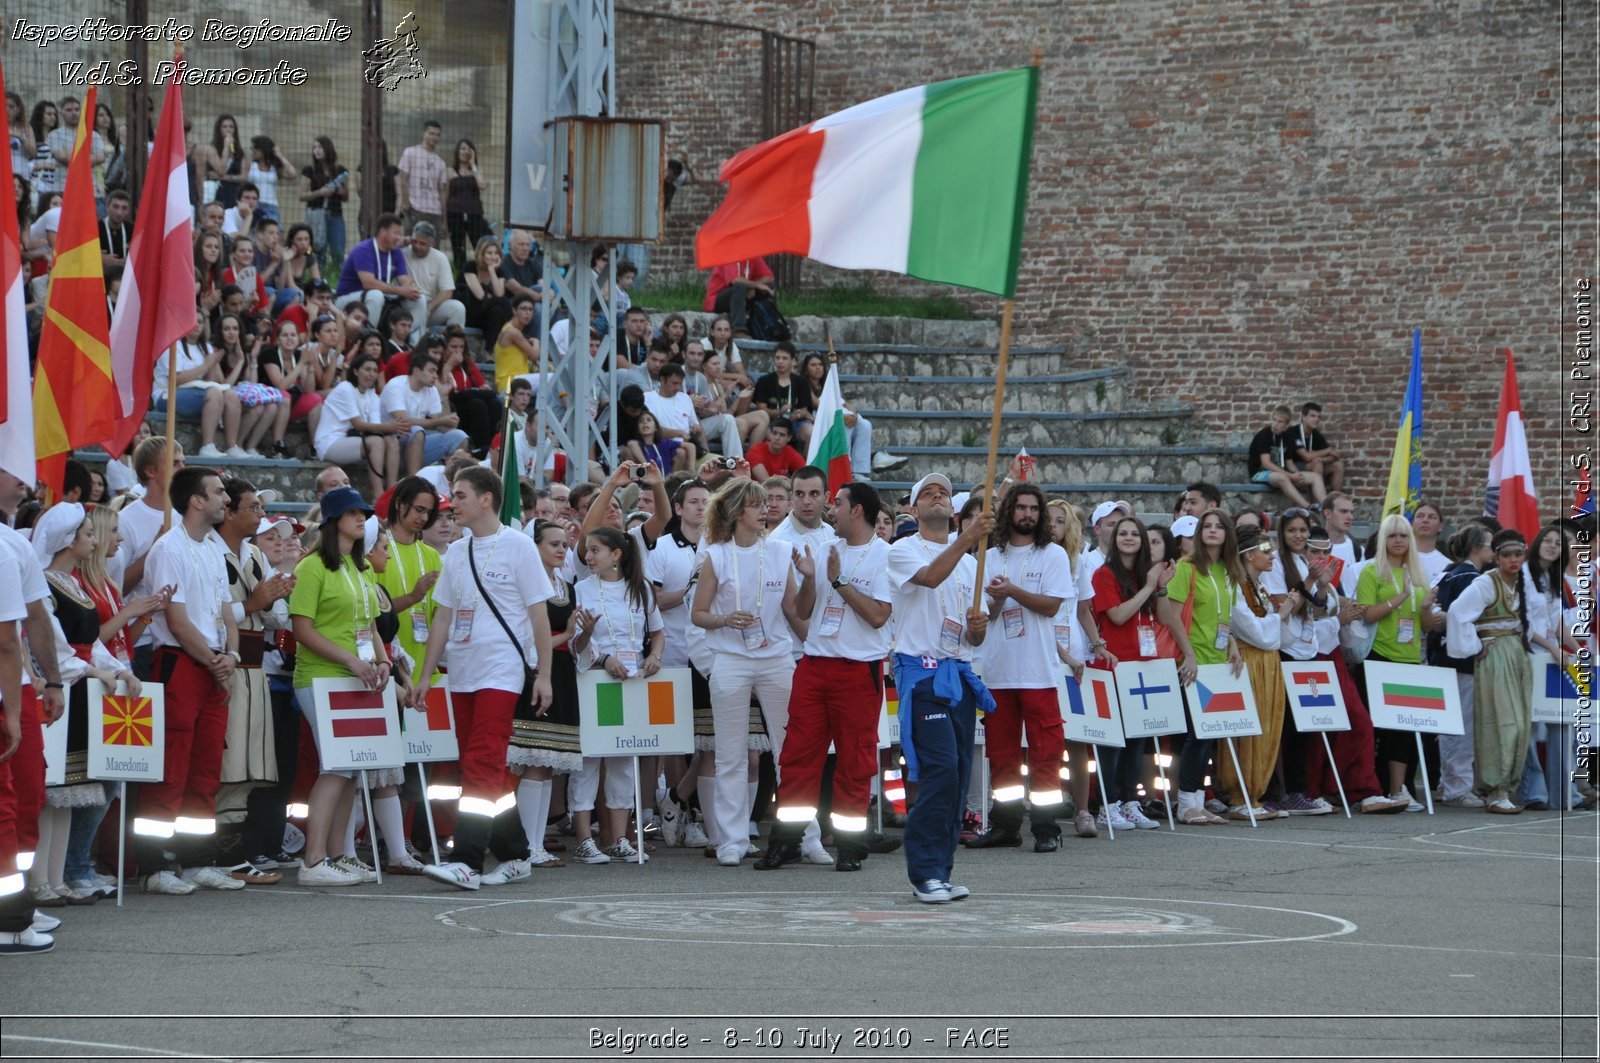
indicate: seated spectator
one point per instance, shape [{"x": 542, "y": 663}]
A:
[
  {"x": 674, "y": 415},
  {"x": 774, "y": 456},
  {"x": 634, "y": 342},
  {"x": 720, "y": 343},
  {"x": 514, "y": 353},
  {"x": 522, "y": 270},
  {"x": 301, "y": 263},
  {"x": 353, "y": 427},
  {"x": 282, "y": 367},
  {"x": 1312, "y": 451},
  {"x": 318, "y": 303},
  {"x": 242, "y": 272},
  {"x": 265, "y": 407},
  {"x": 208, "y": 270},
  {"x": 1197, "y": 498},
  {"x": 720, "y": 430},
  {"x": 267, "y": 166},
  {"x": 1270, "y": 462},
  {"x": 751, "y": 421},
  {"x": 199, "y": 399},
  {"x": 240, "y": 219},
  {"x": 395, "y": 329},
  {"x": 430, "y": 270},
  {"x": 732, "y": 287},
  {"x": 327, "y": 355},
  {"x": 375, "y": 271},
  {"x": 675, "y": 330},
  {"x": 467, "y": 393},
  {"x": 413, "y": 401},
  {"x": 647, "y": 447},
  {"x": 272, "y": 266},
  {"x": 814, "y": 369},
  {"x": 647, "y": 374},
  {"x": 485, "y": 291},
  {"x": 784, "y": 393}
]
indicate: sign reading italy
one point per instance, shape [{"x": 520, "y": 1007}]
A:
[
  {"x": 127, "y": 734},
  {"x": 1089, "y": 709},
  {"x": 430, "y": 733},
  {"x": 635, "y": 717},
  {"x": 1413, "y": 697},
  {"x": 1222, "y": 704}
]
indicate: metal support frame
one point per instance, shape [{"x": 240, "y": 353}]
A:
[{"x": 583, "y": 82}]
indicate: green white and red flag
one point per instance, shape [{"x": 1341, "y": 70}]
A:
[{"x": 830, "y": 439}]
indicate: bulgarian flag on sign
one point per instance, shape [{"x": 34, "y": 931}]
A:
[
  {"x": 928, "y": 181},
  {"x": 830, "y": 440}
]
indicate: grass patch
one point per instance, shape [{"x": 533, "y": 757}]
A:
[{"x": 840, "y": 300}]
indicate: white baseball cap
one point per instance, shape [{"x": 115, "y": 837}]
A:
[
  {"x": 1105, "y": 509},
  {"x": 1185, "y": 525},
  {"x": 931, "y": 478}
]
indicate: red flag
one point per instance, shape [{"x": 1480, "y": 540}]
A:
[
  {"x": 16, "y": 398},
  {"x": 1511, "y": 497},
  {"x": 74, "y": 397},
  {"x": 156, "y": 307}
]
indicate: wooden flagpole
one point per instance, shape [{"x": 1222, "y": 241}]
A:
[{"x": 994, "y": 440}]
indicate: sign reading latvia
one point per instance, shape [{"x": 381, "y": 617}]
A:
[
  {"x": 1315, "y": 697},
  {"x": 1556, "y": 693},
  {"x": 635, "y": 717},
  {"x": 127, "y": 735},
  {"x": 1089, "y": 709},
  {"x": 1151, "y": 703},
  {"x": 430, "y": 734},
  {"x": 1413, "y": 697},
  {"x": 1221, "y": 704},
  {"x": 357, "y": 728}
]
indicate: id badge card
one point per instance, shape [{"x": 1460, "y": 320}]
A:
[
  {"x": 629, "y": 659},
  {"x": 419, "y": 626},
  {"x": 461, "y": 626},
  {"x": 832, "y": 621},
  {"x": 755, "y": 636},
  {"x": 1405, "y": 629},
  {"x": 1223, "y": 631},
  {"x": 1011, "y": 622},
  {"x": 950, "y": 638},
  {"x": 1147, "y": 641},
  {"x": 1064, "y": 636},
  {"x": 364, "y": 648}
]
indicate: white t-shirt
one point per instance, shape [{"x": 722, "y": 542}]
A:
[
  {"x": 1067, "y": 616},
  {"x": 672, "y": 566},
  {"x": 1433, "y": 563},
  {"x": 1020, "y": 652},
  {"x": 399, "y": 396},
  {"x": 266, "y": 181},
  {"x": 751, "y": 579},
  {"x": 1346, "y": 552},
  {"x": 346, "y": 403},
  {"x": 231, "y": 223},
  {"x": 140, "y": 524},
  {"x": 481, "y": 656},
  {"x": 199, "y": 572},
  {"x": 48, "y": 222},
  {"x": 432, "y": 272},
  {"x": 845, "y": 634},
  {"x": 30, "y": 577},
  {"x": 921, "y": 612},
  {"x": 676, "y": 413},
  {"x": 189, "y": 357},
  {"x": 620, "y": 626}
]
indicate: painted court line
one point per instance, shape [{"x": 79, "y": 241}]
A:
[{"x": 160, "y": 1053}]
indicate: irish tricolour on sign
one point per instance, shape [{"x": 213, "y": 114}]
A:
[{"x": 635, "y": 717}]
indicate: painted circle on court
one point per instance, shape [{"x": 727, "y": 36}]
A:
[{"x": 883, "y": 920}]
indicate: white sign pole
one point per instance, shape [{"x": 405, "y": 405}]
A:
[
  {"x": 983, "y": 803},
  {"x": 1335, "y": 769},
  {"x": 1238, "y": 773},
  {"x": 638, "y": 810},
  {"x": 122, "y": 835},
  {"x": 372, "y": 826},
  {"x": 1166, "y": 787},
  {"x": 427, "y": 811},
  {"x": 1105, "y": 802},
  {"x": 1422, "y": 765}
]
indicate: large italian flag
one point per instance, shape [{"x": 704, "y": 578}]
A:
[
  {"x": 929, "y": 181},
  {"x": 830, "y": 440}
]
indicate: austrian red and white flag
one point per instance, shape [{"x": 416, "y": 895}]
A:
[
  {"x": 1511, "y": 498},
  {"x": 16, "y": 384},
  {"x": 156, "y": 307}
]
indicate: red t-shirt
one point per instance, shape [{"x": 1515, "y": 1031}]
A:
[
  {"x": 397, "y": 365},
  {"x": 1121, "y": 639},
  {"x": 262, "y": 305},
  {"x": 755, "y": 269},
  {"x": 782, "y": 463}
]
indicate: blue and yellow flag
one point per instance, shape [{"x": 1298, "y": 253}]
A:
[{"x": 1405, "y": 467}]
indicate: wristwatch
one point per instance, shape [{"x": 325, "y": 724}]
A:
[
  {"x": 237, "y": 658},
  {"x": 839, "y": 584}
]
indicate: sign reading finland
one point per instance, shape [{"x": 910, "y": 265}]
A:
[
  {"x": 635, "y": 717},
  {"x": 1151, "y": 703}
]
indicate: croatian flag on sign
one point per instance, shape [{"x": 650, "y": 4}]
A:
[{"x": 1315, "y": 697}]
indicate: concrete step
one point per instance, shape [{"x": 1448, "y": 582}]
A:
[
  {"x": 892, "y": 428},
  {"x": 1131, "y": 465},
  {"x": 1094, "y": 391},
  {"x": 916, "y": 360},
  {"x": 851, "y": 331},
  {"x": 1149, "y": 500}
]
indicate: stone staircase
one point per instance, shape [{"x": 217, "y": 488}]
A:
[{"x": 928, "y": 387}]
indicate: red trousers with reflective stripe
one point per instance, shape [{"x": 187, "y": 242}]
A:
[
  {"x": 196, "y": 727},
  {"x": 27, "y": 774},
  {"x": 838, "y": 701},
  {"x": 483, "y": 730},
  {"x": 1040, "y": 712}
]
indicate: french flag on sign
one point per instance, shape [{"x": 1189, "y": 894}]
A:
[
  {"x": 1093, "y": 693},
  {"x": 358, "y": 714}
]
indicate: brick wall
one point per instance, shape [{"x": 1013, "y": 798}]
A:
[{"x": 1246, "y": 202}]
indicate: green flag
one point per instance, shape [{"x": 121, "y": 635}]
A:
[{"x": 510, "y": 481}]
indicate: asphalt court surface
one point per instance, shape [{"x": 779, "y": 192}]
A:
[{"x": 1456, "y": 936}]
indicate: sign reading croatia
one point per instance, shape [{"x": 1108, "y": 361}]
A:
[
  {"x": 1222, "y": 704},
  {"x": 635, "y": 717},
  {"x": 1315, "y": 697},
  {"x": 1151, "y": 703},
  {"x": 357, "y": 728},
  {"x": 1413, "y": 697},
  {"x": 127, "y": 734},
  {"x": 1089, "y": 709}
]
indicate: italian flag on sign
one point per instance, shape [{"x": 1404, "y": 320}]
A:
[{"x": 830, "y": 440}]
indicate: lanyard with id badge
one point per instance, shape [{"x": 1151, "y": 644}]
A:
[
  {"x": 754, "y": 636},
  {"x": 363, "y": 626},
  {"x": 419, "y": 615},
  {"x": 1011, "y": 618},
  {"x": 1406, "y": 626},
  {"x": 949, "y": 630},
  {"x": 833, "y": 612},
  {"x": 1224, "y": 629},
  {"x": 461, "y": 623},
  {"x": 627, "y": 656}
]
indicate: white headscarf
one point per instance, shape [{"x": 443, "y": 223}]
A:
[
  {"x": 55, "y": 530},
  {"x": 370, "y": 532}
]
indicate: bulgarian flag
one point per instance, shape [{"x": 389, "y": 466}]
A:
[
  {"x": 830, "y": 441},
  {"x": 928, "y": 181}
]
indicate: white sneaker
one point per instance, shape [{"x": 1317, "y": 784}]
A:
[
  {"x": 884, "y": 460},
  {"x": 1380, "y": 803},
  {"x": 454, "y": 874},
  {"x": 694, "y": 836},
  {"x": 236, "y": 451},
  {"x": 588, "y": 852},
  {"x": 44, "y": 924},
  {"x": 356, "y": 867},
  {"x": 671, "y": 818},
  {"x": 210, "y": 451},
  {"x": 1111, "y": 815},
  {"x": 730, "y": 855},
  {"x": 623, "y": 850},
  {"x": 165, "y": 882},
  {"x": 326, "y": 873},
  {"x": 816, "y": 854},
  {"x": 28, "y": 942},
  {"x": 211, "y": 878},
  {"x": 510, "y": 871},
  {"x": 1133, "y": 814}
]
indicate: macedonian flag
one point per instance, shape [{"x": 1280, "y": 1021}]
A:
[
  {"x": 74, "y": 396},
  {"x": 128, "y": 721}
]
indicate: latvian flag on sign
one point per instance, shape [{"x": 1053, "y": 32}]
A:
[{"x": 358, "y": 714}]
